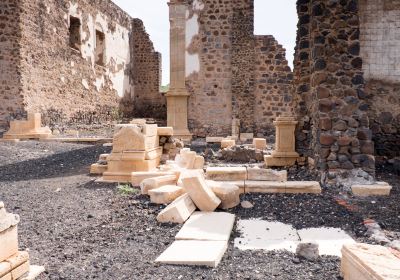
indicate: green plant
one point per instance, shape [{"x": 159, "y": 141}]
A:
[{"x": 126, "y": 189}]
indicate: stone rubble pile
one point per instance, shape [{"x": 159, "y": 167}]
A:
[{"x": 14, "y": 264}]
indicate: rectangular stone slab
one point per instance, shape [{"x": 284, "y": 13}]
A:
[
  {"x": 34, "y": 271},
  {"x": 265, "y": 187},
  {"x": 138, "y": 177},
  {"x": 165, "y": 194},
  {"x": 214, "y": 139},
  {"x": 8, "y": 243},
  {"x": 262, "y": 174},
  {"x": 156, "y": 182},
  {"x": 210, "y": 226},
  {"x": 226, "y": 173},
  {"x": 198, "y": 253},
  {"x": 165, "y": 131},
  {"x": 378, "y": 189},
  {"x": 260, "y": 143},
  {"x": 303, "y": 187},
  {"x": 369, "y": 262},
  {"x": 201, "y": 194},
  {"x": 178, "y": 211}
]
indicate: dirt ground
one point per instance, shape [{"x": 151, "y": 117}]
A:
[{"x": 79, "y": 229}]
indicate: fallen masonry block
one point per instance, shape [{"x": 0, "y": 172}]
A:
[
  {"x": 282, "y": 187},
  {"x": 226, "y": 173},
  {"x": 199, "y": 162},
  {"x": 192, "y": 252},
  {"x": 303, "y": 187},
  {"x": 239, "y": 184},
  {"x": 165, "y": 131},
  {"x": 261, "y": 174},
  {"x": 265, "y": 187},
  {"x": 98, "y": 169},
  {"x": 227, "y": 143},
  {"x": 202, "y": 195},
  {"x": 178, "y": 211},
  {"x": 165, "y": 194},
  {"x": 207, "y": 226},
  {"x": 369, "y": 262},
  {"x": 185, "y": 173},
  {"x": 260, "y": 143},
  {"x": 214, "y": 139},
  {"x": 378, "y": 189},
  {"x": 187, "y": 159},
  {"x": 246, "y": 136},
  {"x": 138, "y": 177},
  {"x": 156, "y": 182},
  {"x": 8, "y": 234},
  {"x": 228, "y": 193}
]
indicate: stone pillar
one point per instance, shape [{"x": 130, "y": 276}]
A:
[
  {"x": 177, "y": 97},
  {"x": 285, "y": 153}
]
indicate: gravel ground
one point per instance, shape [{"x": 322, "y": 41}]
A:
[{"x": 79, "y": 229}]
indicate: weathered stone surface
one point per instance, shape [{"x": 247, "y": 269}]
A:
[
  {"x": 229, "y": 194},
  {"x": 153, "y": 183},
  {"x": 261, "y": 174},
  {"x": 165, "y": 131},
  {"x": 29, "y": 129},
  {"x": 208, "y": 226},
  {"x": 98, "y": 169},
  {"x": 9, "y": 243},
  {"x": 260, "y": 143},
  {"x": 378, "y": 189},
  {"x": 367, "y": 262},
  {"x": 282, "y": 187},
  {"x": 226, "y": 173},
  {"x": 138, "y": 177},
  {"x": 227, "y": 143},
  {"x": 199, "y": 162},
  {"x": 178, "y": 211},
  {"x": 165, "y": 194},
  {"x": 200, "y": 193},
  {"x": 271, "y": 161},
  {"x": 207, "y": 253}
]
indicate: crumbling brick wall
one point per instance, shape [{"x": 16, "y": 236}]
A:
[
  {"x": 223, "y": 73},
  {"x": 146, "y": 72},
  {"x": 380, "y": 50},
  {"x": 11, "y": 98},
  {"x": 273, "y": 84}
]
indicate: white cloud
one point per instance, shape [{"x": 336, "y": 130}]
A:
[{"x": 272, "y": 17}]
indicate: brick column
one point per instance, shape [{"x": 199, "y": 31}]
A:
[{"x": 177, "y": 97}]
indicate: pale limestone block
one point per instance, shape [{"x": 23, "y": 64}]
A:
[
  {"x": 178, "y": 211},
  {"x": 227, "y": 143},
  {"x": 29, "y": 129},
  {"x": 239, "y": 184},
  {"x": 261, "y": 174},
  {"x": 378, "y": 189},
  {"x": 265, "y": 187},
  {"x": 154, "y": 153},
  {"x": 260, "y": 143},
  {"x": 5, "y": 268},
  {"x": 369, "y": 262},
  {"x": 188, "y": 159},
  {"x": 271, "y": 161},
  {"x": 202, "y": 195},
  {"x": 138, "y": 177},
  {"x": 189, "y": 173},
  {"x": 226, "y": 173},
  {"x": 229, "y": 194},
  {"x": 165, "y": 194},
  {"x": 303, "y": 187},
  {"x": 9, "y": 243},
  {"x": 246, "y": 136},
  {"x": 138, "y": 121},
  {"x": 165, "y": 131},
  {"x": 18, "y": 259},
  {"x": 192, "y": 252},
  {"x": 199, "y": 162},
  {"x": 98, "y": 169},
  {"x": 214, "y": 139},
  {"x": 210, "y": 226},
  {"x": 20, "y": 271},
  {"x": 34, "y": 272},
  {"x": 156, "y": 182},
  {"x": 150, "y": 129}
]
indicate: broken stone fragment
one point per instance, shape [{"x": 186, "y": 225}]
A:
[
  {"x": 165, "y": 194},
  {"x": 261, "y": 174},
  {"x": 201, "y": 194},
  {"x": 199, "y": 162},
  {"x": 178, "y": 211},
  {"x": 227, "y": 143},
  {"x": 378, "y": 189},
  {"x": 229, "y": 194},
  {"x": 309, "y": 251},
  {"x": 156, "y": 182}
]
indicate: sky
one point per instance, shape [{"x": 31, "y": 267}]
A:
[{"x": 272, "y": 17}]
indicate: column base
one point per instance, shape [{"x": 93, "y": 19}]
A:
[
  {"x": 271, "y": 161},
  {"x": 183, "y": 134}
]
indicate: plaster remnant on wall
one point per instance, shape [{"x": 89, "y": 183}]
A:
[
  {"x": 192, "y": 31},
  {"x": 85, "y": 84}
]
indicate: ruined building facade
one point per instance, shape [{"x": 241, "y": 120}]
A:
[{"x": 78, "y": 61}]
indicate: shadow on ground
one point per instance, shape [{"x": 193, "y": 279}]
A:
[{"x": 75, "y": 162}]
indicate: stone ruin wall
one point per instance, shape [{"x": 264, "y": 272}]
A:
[
  {"x": 148, "y": 101},
  {"x": 66, "y": 85},
  {"x": 272, "y": 84},
  {"x": 11, "y": 98},
  {"x": 224, "y": 66},
  {"x": 334, "y": 128},
  {"x": 380, "y": 50}
]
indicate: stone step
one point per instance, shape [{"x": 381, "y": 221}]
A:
[
  {"x": 165, "y": 194},
  {"x": 210, "y": 226},
  {"x": 193, "y": 252}
]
